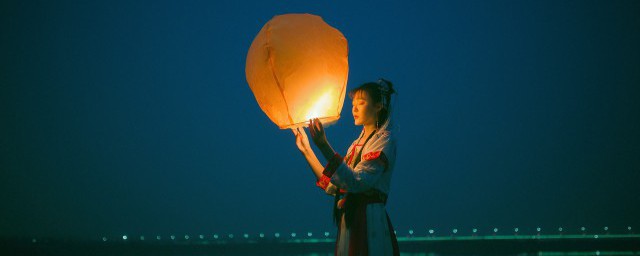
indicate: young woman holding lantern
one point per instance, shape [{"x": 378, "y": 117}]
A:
[{"x": 360, "y": 181}]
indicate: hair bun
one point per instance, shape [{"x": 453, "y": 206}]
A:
[{"x": 386, "y": 86}]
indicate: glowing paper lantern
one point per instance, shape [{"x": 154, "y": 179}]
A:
[{"x": 297, "y": 68}]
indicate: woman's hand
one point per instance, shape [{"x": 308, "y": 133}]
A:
[
  {"x": 302, "y": 141},
  {"x": 320, "y": 139},
  {"x": 317, "y": 133}
]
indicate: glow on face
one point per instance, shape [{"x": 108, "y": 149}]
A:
[{"x": 363, "y": 109}]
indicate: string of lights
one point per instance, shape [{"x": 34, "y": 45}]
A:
[{"x": 406, "y": 235}]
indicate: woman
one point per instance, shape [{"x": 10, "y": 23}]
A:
[{"x": 360, "y": 181}]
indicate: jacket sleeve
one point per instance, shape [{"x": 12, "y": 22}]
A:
[
  {"x": 375, "y": 160},
  {"x": 324, "y": 182}
]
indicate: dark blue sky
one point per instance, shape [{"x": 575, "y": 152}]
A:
[{"x": 135, "y": 118}]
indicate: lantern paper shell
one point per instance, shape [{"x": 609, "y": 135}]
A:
[{"x": 297, "y": 68}]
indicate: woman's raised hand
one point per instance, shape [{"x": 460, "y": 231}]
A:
[
  {"x": 317, "y": 132},
  {"x": 302, "y": 141}
]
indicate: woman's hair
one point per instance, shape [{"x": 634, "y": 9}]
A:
[{"x": 380, "y": 92}]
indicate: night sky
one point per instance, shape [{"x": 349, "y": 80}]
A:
[{"x": 135, "y": 117}]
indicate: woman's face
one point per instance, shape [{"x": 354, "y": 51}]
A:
[{"x": 364, "y": 110}]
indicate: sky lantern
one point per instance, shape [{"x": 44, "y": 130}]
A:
[{"x": 297, "y": 68}]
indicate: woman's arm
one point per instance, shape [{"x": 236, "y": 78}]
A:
[{"x": 302, "y": 141}]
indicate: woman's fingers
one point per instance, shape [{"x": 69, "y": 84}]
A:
[
  {"x": 315, "y": 124},
  {"x": 312, "y": 129},
  {"x": 301, "y": 131},
  {"x": 315, "y": 128},
  {"x": 320, "y": 127}
]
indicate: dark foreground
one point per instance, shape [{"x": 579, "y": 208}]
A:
[{"x": 476, "y": 245}]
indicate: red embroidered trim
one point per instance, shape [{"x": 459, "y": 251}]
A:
[
  {"x": 350, "y": 158},
  {"x": 371, "y": 155},
  {"x": 328, "y": 171},
  {"x": 323, "y": 182}
]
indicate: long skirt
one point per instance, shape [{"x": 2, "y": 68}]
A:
[{"x": 380, "y": 238}]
